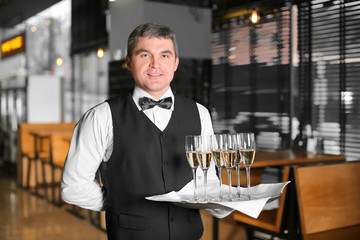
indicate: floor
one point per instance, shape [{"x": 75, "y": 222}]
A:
[{"x": 25, "y": 216}]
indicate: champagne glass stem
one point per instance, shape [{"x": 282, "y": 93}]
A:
[
  {"x": 248, "y": 179},
  {"x": 205, "y": 183},
  {"x": 238, "y": 179},
  {"x": 194, "y": 176},
  {"x": 220, "y": 182},
  {"x": 229, "y": 176}
]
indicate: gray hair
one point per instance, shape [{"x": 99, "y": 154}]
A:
[{"x": 150, "y": 30}]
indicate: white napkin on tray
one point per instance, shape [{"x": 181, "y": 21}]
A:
[{"x": 261, "y": 194}]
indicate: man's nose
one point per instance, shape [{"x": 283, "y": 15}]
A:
[{"x": 155, "y": 61}]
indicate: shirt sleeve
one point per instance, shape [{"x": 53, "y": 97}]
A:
[{"x": 89, "y": 143}]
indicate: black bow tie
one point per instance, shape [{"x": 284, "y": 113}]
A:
[{"x": 147, "y": 103}]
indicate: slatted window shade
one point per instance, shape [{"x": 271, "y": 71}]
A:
[
  {"x": 251, "y": 71},
  {"x": 329, "y": 70}
]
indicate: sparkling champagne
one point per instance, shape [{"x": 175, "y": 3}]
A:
[
  {"x": 248, "y": 156},
  {"x": 192, "y": 159},
  {"x": 204, "y": 159},
  {"x": 216, "y": 157},
  {"x": 238, "y": 158},
  {"x": 228, "y": 158}
]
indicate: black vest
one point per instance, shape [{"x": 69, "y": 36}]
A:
[{"x": 145, "y": 162}]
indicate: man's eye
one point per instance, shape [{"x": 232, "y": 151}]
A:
[
  {"x": 144, "y": 55},
  {"x": 165, "y": 56}
]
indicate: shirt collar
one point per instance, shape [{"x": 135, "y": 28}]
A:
[{"x": 139, "y": 93}]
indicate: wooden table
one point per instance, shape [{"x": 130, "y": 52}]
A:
[
  {"x": 286, "y": 158},
  {"x": 290, "y": 157},
  {"x": 41, "y": 138},
  {"x": 41, "y": 135},
  {"x": 25, "y": 152}
]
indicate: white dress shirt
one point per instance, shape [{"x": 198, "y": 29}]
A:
[{"x": 92, "y": 143}]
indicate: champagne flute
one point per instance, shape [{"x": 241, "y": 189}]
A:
[
  {"x": 191, "y": 144},
  {"x": 237, "y": 164},
  {"x": 247, "y": 153},
  {"x": 228, "y": 155},
  {"x": 215, "y": 150},
  {"x": 204, "y": 158}
]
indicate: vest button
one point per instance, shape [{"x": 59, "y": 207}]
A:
[{"x": 172, "y": 219}]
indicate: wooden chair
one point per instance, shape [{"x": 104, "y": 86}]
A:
[
  {"x": 268, "y": 220},
  {"x": 328, "y": 200}
]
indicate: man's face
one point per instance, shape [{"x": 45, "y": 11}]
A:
[{"x": 153, "y": 64}]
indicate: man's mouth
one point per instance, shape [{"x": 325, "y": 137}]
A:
[{"x": 154, "y": 74}]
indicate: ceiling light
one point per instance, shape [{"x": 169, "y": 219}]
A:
[
  {"x": 100, "y": 53},
  {"x": 254, "y": 17},
  {"x": 59, "y": 61}
]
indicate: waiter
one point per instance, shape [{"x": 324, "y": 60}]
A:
[{"x": 137, "y": 141}]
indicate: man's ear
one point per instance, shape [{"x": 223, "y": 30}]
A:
[
  {"x": 176, "y": 63},
  {"x": 127, "y": 59}
]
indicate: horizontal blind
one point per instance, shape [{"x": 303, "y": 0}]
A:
[
  {"x": 329, "y": 73},
  {"x": 325, "y": 40},
  {"x": 351, "y": 94},
  {"x": 250, "y": 85}
]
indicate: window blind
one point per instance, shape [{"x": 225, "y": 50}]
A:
[
  {"x": 329, "y": 73},
  {"x": 251, "y": 71}
]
